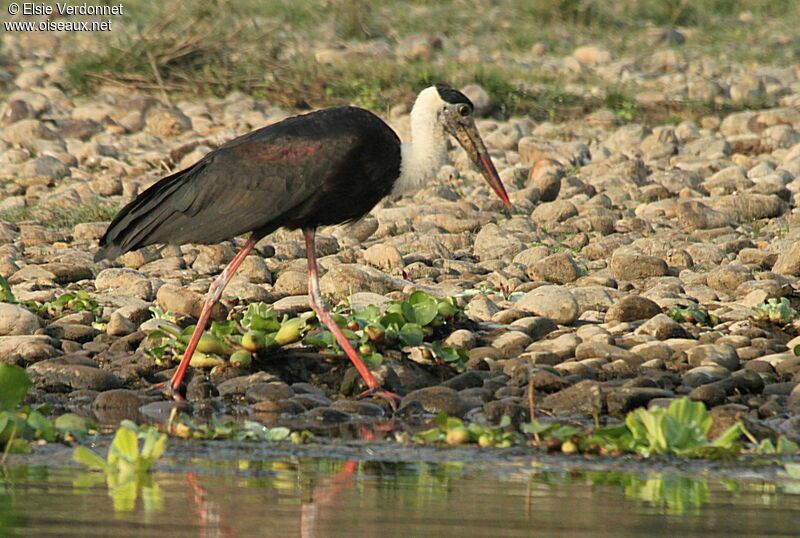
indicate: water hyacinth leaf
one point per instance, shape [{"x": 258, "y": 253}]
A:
[
  {"x": 14, "y": 385},
  {"x": 339, "y": 319},
  {"x": 393, "y": 320},
  {"x": 124, "y": 495},
  {"x": 321, "y": 339},
  {"x": 369, "y": 314},
  {"x": 124, "y": 447},
  {"x": 373, "y": 360},
  {"x": 221, "y": 329},
  {"x": 89, "y": 458},
  {"x": 420, "y": 308},
  {"x": 41, "y": 426},
  {"x": 152, "y": 498},
  {"x": 260, "y": 317},
  {"x": 277, "y": 434},
  {"x": 153, "y": 447},
  {"x": 447, "y": 308},
  {"x": 793, "y": 470},
  {"x": 411, "y": 334},
  {"x": 72, "y": 424},
  {"x": 729, "y": 439}
]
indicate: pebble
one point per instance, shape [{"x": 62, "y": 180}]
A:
[{"x": 552, "y": 302}]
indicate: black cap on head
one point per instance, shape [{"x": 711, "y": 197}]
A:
[{"x": 452, "y": 96}]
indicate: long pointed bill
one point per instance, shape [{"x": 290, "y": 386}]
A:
[{"x": 471, "y": 141}]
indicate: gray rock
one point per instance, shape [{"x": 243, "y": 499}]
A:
[
  {"x": 623, "y": 400},
  {"x": 493, "y": 242},
  {"x": 25, "y": 349},
  {"x": 728, "y": 277},
  {"x": 788, "y": 262},
  {"x": 291, "y": 282},
  {"x": 702, "y": 375},
  {"x": 461, "y": 338},
  {"x": 384, "y": 257},
  {"x": 713, "y": 394},
  {"x": 80, "y": 375},
  {"x": 552, "y": 302},
  {"x": 586, "y": 397},
  {"x": 184, "y": 301},
  {"x": 632, "y": 308},
  {"x": 16, "y": 320},
  {"x": 119, "y": 325},
  {"x": 549, "y": 213},
  {"x": 633, "y": 266},
  {"x": 546, "y": 178},
  {"x": 115, "y": 405},
  {"x": 559, "y": 268},
  {"x": 44, "y": 170},
  {"x": 341, "y": 280},
  {"x": 745, "y": 206},
  {"x": 436, "y": 400},
  {"x": 714, "y": 355},
  {"x": 663, "y": 327},
  {"x": 128, "y": 282},
  {"x": 695, "y": 215},
  {"x": 535, "y": 326}
]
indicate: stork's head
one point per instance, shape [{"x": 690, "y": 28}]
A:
[{"x": 454, "y": 112}]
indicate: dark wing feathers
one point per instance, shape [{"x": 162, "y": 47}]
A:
[{"x": 245, "y": 185}]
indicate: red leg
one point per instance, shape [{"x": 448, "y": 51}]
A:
[
  {"x": 318, "y": 305},
  {"x": 214, "y": 294}
]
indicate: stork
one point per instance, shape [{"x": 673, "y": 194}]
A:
[{"x": 326, "y": 167}]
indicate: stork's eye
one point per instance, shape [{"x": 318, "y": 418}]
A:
[{"x": 463, "y": 110}]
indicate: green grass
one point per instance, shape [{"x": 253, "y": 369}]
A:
[
  {"x": 266, "y": 49},
  {"x": 57, "y": 218}
]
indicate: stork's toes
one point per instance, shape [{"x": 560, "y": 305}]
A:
[
  {"x": 378, "y": 392},
  {"x": 165, "y": 388}
]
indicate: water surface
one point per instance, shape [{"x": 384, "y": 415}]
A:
[{"x": 233, "y": 490}]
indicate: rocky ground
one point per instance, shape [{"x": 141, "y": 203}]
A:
[{"x": 615, "y": 223}]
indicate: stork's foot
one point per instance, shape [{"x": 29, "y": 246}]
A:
[
  {"x": 378, "y": 392},
  {"x": 165, "y": 388}
]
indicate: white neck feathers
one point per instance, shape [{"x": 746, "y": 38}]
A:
[{"x": 427, "y": 151}]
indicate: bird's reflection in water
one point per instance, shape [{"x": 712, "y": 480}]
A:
[
  {"x": 209, "y": 514},
  {"x": 322, "y": 499}
]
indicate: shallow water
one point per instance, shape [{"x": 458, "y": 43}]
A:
[{"x": 236, "y": 490}]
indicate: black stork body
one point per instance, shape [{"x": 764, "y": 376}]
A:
[{"x": 326, "y": 167}]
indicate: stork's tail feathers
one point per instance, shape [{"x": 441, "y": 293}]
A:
[{"x": 136, "y": 224}]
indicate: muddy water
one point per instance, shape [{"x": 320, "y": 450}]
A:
[{"x": 232, "y": 490}]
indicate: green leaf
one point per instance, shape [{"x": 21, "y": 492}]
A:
[
  {"x": 124, "y": 447},
  {"x": 154, "y": 446},
  {"x": 420, "y": 308},
  {"x": 370, "y": 314},
  {"x": 321, "y": 339},
  {"x": 6, "y": 295},
  {"x": 89, "y": 458},
  {"x": 393, "y": 320},
  {"x": 278, "y": 434},
  {"x": 261, "y": 317},
  {"x": 42, "y": 426},
  {"x": 14, "y": 385},
  {"x": 221, "y": 329},
  {"x": 793, "y": 470},
  {"x": 535, "y": 427},
  {"x": 373, "y": 360},
  {"x": 72, "y": 424},
  {"x": 411, "y": 334},
  {"x": 730, "y": 437}
]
